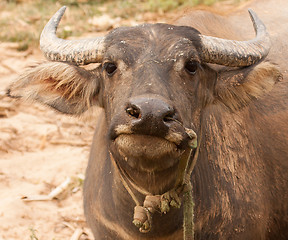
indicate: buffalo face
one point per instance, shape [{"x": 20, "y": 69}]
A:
[{"x": 151, "y": 89}]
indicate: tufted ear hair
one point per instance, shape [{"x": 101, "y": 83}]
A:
[
  {"x": 64, "y": 87},
  {"x": 237, "y": 88}
]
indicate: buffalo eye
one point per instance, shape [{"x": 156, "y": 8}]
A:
[
  {"x": 110, "y": 68},
  {"x": 191, "y": 67}
]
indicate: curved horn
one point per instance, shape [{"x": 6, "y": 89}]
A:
[
  {"x": 237, "y": 53},
  {"x": 79, "y": 51}
]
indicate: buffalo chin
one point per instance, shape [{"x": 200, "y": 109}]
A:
[{"x": 147, "y": 153}]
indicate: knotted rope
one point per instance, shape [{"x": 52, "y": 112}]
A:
[{"x": 161, "y": 203}]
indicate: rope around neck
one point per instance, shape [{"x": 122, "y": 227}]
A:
[{"x": 162, "y": 203}]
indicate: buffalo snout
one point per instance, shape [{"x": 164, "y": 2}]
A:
[{"x": 150, "y": 115}]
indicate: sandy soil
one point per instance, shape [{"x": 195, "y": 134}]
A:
[{"x": 39, "y": 149}]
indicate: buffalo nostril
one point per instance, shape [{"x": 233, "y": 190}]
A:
[
  {"x": 169, "y": 117},
  {"x": 133, "y": 111}
]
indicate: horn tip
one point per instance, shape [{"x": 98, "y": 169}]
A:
[
  {"x": 252, "y": 14},
  {"x": 250, "y": 10},
  {"x": 61, "y": 11},
  {"x": 54, "y": 21},
  {"x": 257, "y": 23},
  {"x": 58, "y": 15}
]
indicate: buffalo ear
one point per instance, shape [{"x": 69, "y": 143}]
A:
[
  {"x": 64, "y": 87},
  {"x": 237, "y": 88}
]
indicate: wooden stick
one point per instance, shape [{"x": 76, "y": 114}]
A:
[{"x": 77, "y": 234}]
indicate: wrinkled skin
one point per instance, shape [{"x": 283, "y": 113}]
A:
[{"x": 240, "y": 114}]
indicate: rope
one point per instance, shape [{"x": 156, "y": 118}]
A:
[
  {"x": 188, "y": 223},
  {"x": 137, "y": 203},
  {"x": 142, "y": 218}
]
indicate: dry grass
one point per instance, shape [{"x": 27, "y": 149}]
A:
[{"x": 22, "y": 21}]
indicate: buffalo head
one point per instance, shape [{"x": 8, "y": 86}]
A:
[{"x": 154, "y": 81}]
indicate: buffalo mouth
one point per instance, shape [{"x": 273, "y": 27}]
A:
[{"x": 147, "y": 153}]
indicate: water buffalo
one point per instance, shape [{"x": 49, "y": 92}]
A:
[{"x": 159, "y": 86}]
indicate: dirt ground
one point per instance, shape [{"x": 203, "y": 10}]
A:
[{"x": 39, "y": 150}]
